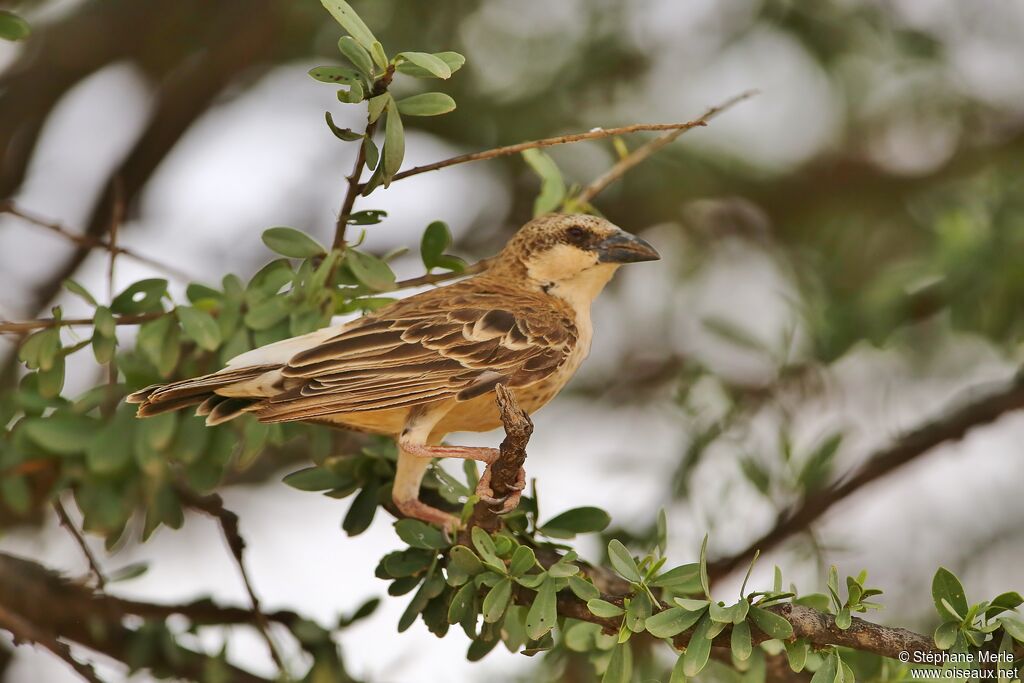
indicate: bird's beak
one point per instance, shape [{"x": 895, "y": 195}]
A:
[{"x": 623, "y": 247}]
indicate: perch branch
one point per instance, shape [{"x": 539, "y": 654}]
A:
[
  {"x": 90, "y": 242},
  {"x": 593, "y": 134},
  {"x": 512, "y": 455},
  {"x": 952, "y": 426},
  {"x": 213, "y": 505}
]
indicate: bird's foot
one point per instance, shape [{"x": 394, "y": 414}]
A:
[
  {"x": 503, "y": 504},
  {"x": 417, "y": 509},
  {"x": 479, "y": 453}
]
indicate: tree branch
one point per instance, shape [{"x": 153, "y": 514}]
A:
[
  {"x": 593, "y": 134},
  {"x": 949, "y": 427},
  {"x": 25, "y": 631},
  {"x": 51, "y": 604},
  {"x": 213, "y": 505},
  {"x": 91, "y": 242}
]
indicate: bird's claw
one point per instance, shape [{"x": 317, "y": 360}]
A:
[{"x": 501, "y": 504}]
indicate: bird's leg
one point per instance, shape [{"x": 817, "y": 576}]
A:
[
  {"x": 484, "y": 455},
  {"x": 406, "y": 492}
]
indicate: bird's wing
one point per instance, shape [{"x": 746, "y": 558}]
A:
[{"x": 437, "y": 345}]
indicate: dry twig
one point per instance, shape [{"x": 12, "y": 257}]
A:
[
  {"x": 89, "y": 242},
  {"x": 65, "y": 521}
]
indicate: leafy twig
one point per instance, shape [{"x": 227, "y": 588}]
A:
[{"x": 950, "y": 427}]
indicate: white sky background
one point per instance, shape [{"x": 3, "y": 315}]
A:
[{"x": 264, "y": 158}]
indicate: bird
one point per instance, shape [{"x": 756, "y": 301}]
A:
[{"x": 427, "y": 365}]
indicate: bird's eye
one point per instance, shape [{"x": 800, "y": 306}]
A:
[{"x": 576, "y": 234}]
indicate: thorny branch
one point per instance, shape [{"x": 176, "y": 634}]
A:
[
  {"x": 213, "y": 505},
  {"x": 90, "y": 242},
  {"x": 951, "y": 426}
]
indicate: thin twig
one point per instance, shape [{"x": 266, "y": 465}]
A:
[
  {"x": 88, "y": 242},
  {"x": 951, "y": 426},
  {"x": 643, "y": 152},
  {"x": 65, "y": 521},
  {"x": 380, "y": 86},
  {"x": 213, "y": 505},
  {"x": 593, "y": 134},
  {"x": 24, "y": 326},
  {"x": 25, "y": 631}
]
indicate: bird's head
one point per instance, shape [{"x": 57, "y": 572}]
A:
[{"x": 574, "y": 255}]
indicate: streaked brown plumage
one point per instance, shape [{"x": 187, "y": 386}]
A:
[{"x": 427, "y": 365}]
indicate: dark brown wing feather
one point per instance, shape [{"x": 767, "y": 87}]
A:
[{"x": 455, "y": 342}]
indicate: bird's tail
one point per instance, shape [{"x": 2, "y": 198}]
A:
[{"x": 221, "y": 396}]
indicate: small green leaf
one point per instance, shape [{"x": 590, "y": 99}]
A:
[
  {"x": 394, "y": 143},
  {"x": 543, "y": 612},
  {"x": 703, "y": 568},
  {"x": 420, "y": 534},
  {"x": 672, "y": 621},
  {"x": 945, "y": 634},
  {"x": 604, "y": 609},
  {"x": 350, "y": 21},
  {"x": 426, "y": 104},
  {"x": 740, "y": 641},
  {"x": 453, "y": 60},
  {"x": 357, "y": 54},
  {"x": 371, "y": 153},
  {"x": 552, "y": 188},
  {"x": 462, "y": 564},
  {"x": 346, "y": 134},
  {"x": 699, "y": 648},
  {"x": 265, "y": 315},
  {"x": 622, "y": 561},
  {"x": 523, "y": 560},
  {"x": 678, "y": 675},
  {"x": 945, "y": 586},
  {"x": 497, "y": 600},
  {"x": 334, "y": 74},
  {"x": 367, "y": 217},
  {"x": 771, "y": 623},
  {"x": 1013, "y": 626},
  {"x": 61, "y": 433},
  {"x": 843, "y": 618},
  {"x": 360, "y": 514},
  {"x": 461, "y": 603},
  {"x": 580, "y": 520},
  {"x": 582, "y": 589},
  {"x": 797, "y": 655},
  {"x": 292, "y": 243},
  {"x": 380, "y": 58},
  {"x": 620, "y": 666},
  {"x": 370, "y": 270},
  {"x": 79, "y": 290},
  {"x": 200, "y": 327},
  {"x": 313, "y": 479},
  {"x": 13, "y": 27},
  {"x": 436, "y": 239},
  {"x": 143, "y": 296},
  {"x": 828, "y": 671},
  {"x": 110, "y": 450},
  {"x": 376, "y": 106},
  {"x": 432, "y": 64},
  {"x": 637, "y": 612}
]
